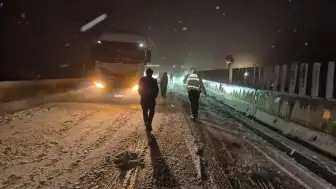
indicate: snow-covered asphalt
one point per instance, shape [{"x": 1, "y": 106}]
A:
[{"x": 74, "y": 145}]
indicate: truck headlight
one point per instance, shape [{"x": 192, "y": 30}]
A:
[
  {"x": 135, "y": 88},
  {"x": 99, "y": 85}
]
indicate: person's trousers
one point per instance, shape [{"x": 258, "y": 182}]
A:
[
  {"x": 148, "y": 110},
  {"x": 163, "y": 91},
  {"x": 194, "y": 96}
]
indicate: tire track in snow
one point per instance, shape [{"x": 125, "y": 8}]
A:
[
  {"x": 104, "y": 174},
  {"x": 222, "y": 167}
]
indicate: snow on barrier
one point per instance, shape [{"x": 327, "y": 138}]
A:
[
  {"x": 310, "y": 120},
  {"x": 17, "y": 90},
  {"x": 18, "y": 95}
]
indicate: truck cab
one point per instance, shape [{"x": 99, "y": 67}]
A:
[{"x": 119, "y": 63}]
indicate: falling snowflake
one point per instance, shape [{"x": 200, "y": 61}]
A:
[
  {"x": 185, "y": 28},
  {"x": 93, "y": 22},
  {"x": 273, "y": 46},
  {"x": 67, "y": 44},
  {"x": 23, "y": 15},
  {"x": 279, "y": 30},
  {"x": 1, "y": 4},
  {"x": 180, "y": 22},
  {"x": 175, "y": 29},
  {"x": 295, "y": 30},
  {"x": 224, "y": 14},
  {"x": 189, "y": 54},
  {"x": 217, "y": 8},
  {"x": 149, "y": 27},
  {"x": 306, "y": 43},
  {"x": 64, "y": 65}
]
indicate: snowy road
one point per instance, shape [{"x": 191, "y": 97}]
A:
[{"x": 73, "y": 145}]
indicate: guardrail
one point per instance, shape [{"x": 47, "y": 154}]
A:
[
  {"x": 18, "y": 90},
  {"x": 310, "y": 120},
  {"x": 313, "y": 79}
]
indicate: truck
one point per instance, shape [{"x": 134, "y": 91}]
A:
[{"x": 120, "y": 59}]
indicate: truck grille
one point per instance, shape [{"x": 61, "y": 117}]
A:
[{"x": 106, "y": 72}]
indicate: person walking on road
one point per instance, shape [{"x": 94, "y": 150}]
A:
[
  {"x": 194, "y": 86},
  {"x": 164, "y": 84},
  {"x": 171, "y": 76},
  {"x": 148, "y": 91}
]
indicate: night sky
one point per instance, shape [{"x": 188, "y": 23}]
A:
[{"x": 43, "y": 35}]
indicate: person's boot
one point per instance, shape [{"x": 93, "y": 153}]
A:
[
  {"x": 196, "y": 115},
  {"x": 148, "y": 127},
  {"x": 192, "y": 117},
  {"x": 150, "y": 136}
]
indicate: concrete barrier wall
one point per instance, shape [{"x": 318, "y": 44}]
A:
[
  {"x": 315, "y": 114},
  {"x": 310, "y": 120},
  {"x": 17, "y": 90}
]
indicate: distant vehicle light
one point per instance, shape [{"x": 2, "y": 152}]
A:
[
  {"x": 99, "y": 85},
  {"x": 181, "y": 79},
  {"x": 155, "y": 76},
  {"x": 119, "y": 95},
  {"x": 135, "y": 88}
]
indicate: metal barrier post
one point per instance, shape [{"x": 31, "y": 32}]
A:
[
  {"x": 315, "y": 80},
  {"x": 283, "y": 77},
  {"x": 330, "y": 80},
  {"x": 303, "y": 79},
  {"x": 293, "y": 78}
]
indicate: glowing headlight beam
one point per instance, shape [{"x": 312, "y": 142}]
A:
[
  {"x": 94, "y": 22},
  {"x": 99, "y": 85},
  {"x": 135, "y": 88}
]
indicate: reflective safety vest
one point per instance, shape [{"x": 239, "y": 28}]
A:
[{"x": 193, "y": 82}]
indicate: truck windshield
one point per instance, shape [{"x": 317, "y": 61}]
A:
[{"x": 107, "y": 51}]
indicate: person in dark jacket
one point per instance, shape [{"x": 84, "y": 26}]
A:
[
  {"x": 164, "y": 84},
  {"x": 148, "y": 91}
]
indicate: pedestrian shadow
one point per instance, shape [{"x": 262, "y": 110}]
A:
[{"x": 162, "y": 175}]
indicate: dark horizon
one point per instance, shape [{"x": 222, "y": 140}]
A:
[{"x": 41, "y": 36}]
